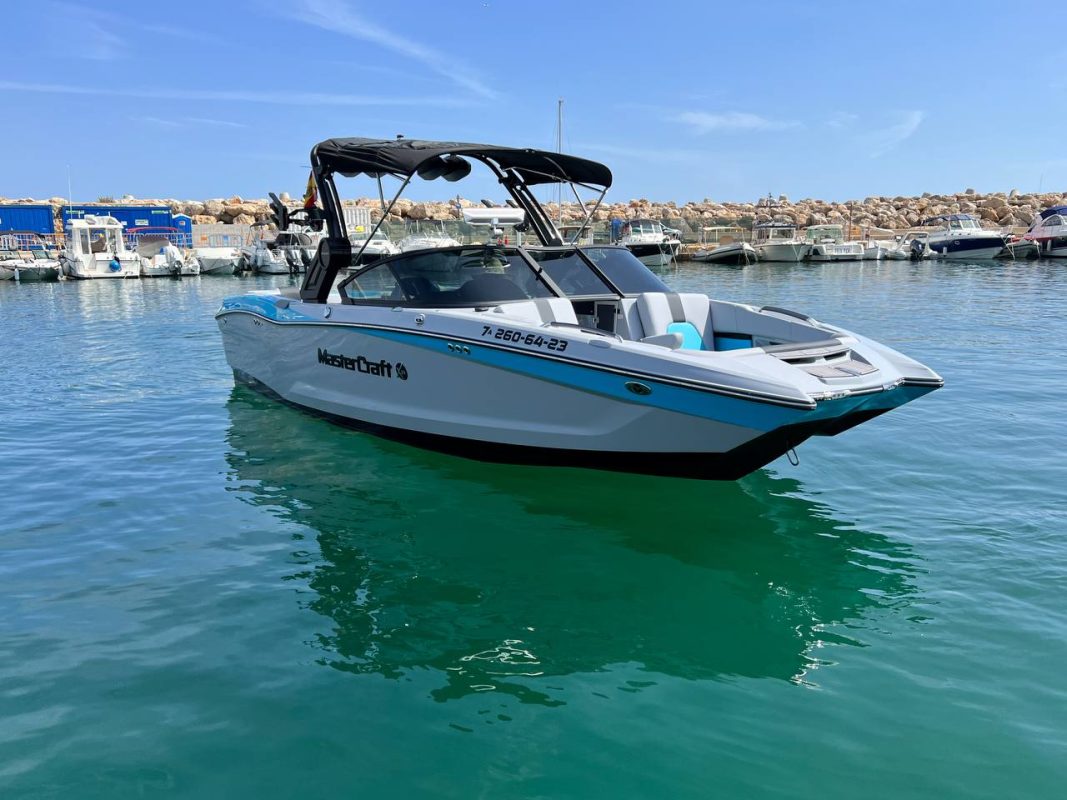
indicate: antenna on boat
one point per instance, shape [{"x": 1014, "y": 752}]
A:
[{"x": 559, "y": 149}]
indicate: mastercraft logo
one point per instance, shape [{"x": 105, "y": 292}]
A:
[{"x": 380, "y": 369}]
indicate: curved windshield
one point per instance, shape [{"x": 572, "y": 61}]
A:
[
  {"x": 467, "y": 276},
  {"x": 622, "y": 268},
  {"x": 569, "y": 271}
]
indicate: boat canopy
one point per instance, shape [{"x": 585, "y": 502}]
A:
[
  {"x": 948, "y": 218},
  {"x": 406, "y": 157},
  {"x": 1053, "y": 211},
  {"x": 762, "y": 225}
]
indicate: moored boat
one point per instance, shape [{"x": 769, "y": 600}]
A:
[
  {"x": 828, "y": 244},
  {"x": 725, "y": 244},
  {"x": 778, "y": 241},
  {"x": 96, "y": 248},
  {"x": 961, "y": 237},
  {"x": 1049, "y": 232},
  {"x": 571, "y": 355},
  {"x": 649, "y": 242},
  {"x": 1019, "y": 249},
  {"x": 25, "y": 257}
]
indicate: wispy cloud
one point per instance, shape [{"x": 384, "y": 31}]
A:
[
  {"x": 882, "y": 140},
  {"x": 87, "y": 33},
  {"x": 188, "y": 122},
  {"x": 842, "y": 119},
  {"x": 705, "y": 122},
  {"x": 338, "y": 17},
  {"x": 282, "y": 98},
  {"x": 101, "y": 35}
]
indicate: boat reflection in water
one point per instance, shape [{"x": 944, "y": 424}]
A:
[{"x": 509, "y": 578}]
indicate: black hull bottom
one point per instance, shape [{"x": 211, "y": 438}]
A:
[{"x": 727, "y": 466}]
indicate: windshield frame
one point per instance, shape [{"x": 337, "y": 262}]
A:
[{"x": 542, "y": 275}]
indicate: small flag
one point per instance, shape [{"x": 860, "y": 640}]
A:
[{"x": 311, "y": 193}]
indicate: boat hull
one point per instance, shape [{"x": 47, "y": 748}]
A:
[
  {"x": 736, "y": 254},
  {"x": 30, "y": 274},
  {"x": 653, "y": 254},
  {"x": 836, "y": 252},
  {"x": 1053, "y": 247},
  {"x": 218, "y": 265},
  {"x": 789, "y": 253},
  {"x": 531, "y": 407},
  {"x": 964, "y": 248}
]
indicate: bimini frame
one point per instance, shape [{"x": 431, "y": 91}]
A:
[{"x": 516, "y": 170}]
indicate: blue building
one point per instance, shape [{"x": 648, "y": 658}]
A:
[
  {"x": 129, "y": 216},
  {"x": 36, "y": 218}
]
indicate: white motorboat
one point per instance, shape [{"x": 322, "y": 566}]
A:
[
  {"x": 427, "y": 235},
  {"x": 828, "y": 244},
  {"x": 649, "y": 242},
  {"x": 284, "y": 253},
  {"x": 778, "y": 241},
  {"x": 96, "y": 248},
  {"x": 160, "y": 257},
  {"x": 725, "y": 244},
  {"x": 25, "y": 257},
  {"x": 556, "y": 355},
  {"x": 373, "y": 246},
  {"x": 218, "y": 260},
  {"x": 1049, "y": 232},
  {"x": 961, "y": 237}
]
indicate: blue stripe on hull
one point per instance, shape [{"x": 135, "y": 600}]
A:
[{"x": 705, "y": 404}]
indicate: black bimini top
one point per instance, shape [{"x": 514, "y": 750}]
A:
[{"x": 403, "y": 157}]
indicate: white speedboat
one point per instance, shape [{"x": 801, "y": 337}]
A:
[
  {"x": 961, "y": 237},
  {"x": 1049, "y": 232},
  {"x": 778, "y": 241},
  {"x": 649, "y": 242},
  {"x": 725, "y": 244},
  {"x": 828, "y": 244},
  {"x": 557, "y": 355},
  {"x": 286, "y": 253},
  {"x": 427, "y": 235},
  {"x": 373, "y": 246},
  {"x": 218, "y": 260},
  {"x": 25, "y": 257},
  {"x": 96, "y": 248},
  {"x": 160, "y": 257}
]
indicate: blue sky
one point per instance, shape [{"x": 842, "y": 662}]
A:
[{"x": 684, "y": 100}]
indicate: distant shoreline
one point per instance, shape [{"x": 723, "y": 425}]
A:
[{"x": 1010, "y": 209}]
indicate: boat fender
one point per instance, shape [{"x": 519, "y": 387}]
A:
[{"x": 114, "y": 265}]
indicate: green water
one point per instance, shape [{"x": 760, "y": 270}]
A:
[{"x": 204, "y": 594}]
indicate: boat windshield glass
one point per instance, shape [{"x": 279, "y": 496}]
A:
[
  {"x": 622, "y": 268},
  {"x": 458, "y": 277},
  {"x": 962, "y": 224},
  {"x": 570, "y": 272},
  {"x": 641, "y": 227}
]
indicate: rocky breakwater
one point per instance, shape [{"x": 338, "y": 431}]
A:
[{"x": 996, "y": 210}]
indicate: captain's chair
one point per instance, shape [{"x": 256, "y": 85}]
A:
[{"x": 677, "y": 321}]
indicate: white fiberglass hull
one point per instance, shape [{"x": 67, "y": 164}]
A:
[
  {"x": 734, "y": 253},
  {"x": 100, "y": 268},
  {"x": 218, "y": 261},
  {"x": 784, "y": 251},
  {"x": 848, "y": 251},
  {"x": 594, "y": 401}
]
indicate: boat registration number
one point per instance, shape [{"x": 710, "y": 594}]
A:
[{"x": 521, "y": 337}]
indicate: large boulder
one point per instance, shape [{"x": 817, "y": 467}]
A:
[
  {"x": 244, "y": 219},
  {"x": 418, "y": 211},
  {"x": 214, "y": 208}
]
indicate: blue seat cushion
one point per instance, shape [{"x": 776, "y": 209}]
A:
[{"x": 691, "y": 338}]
